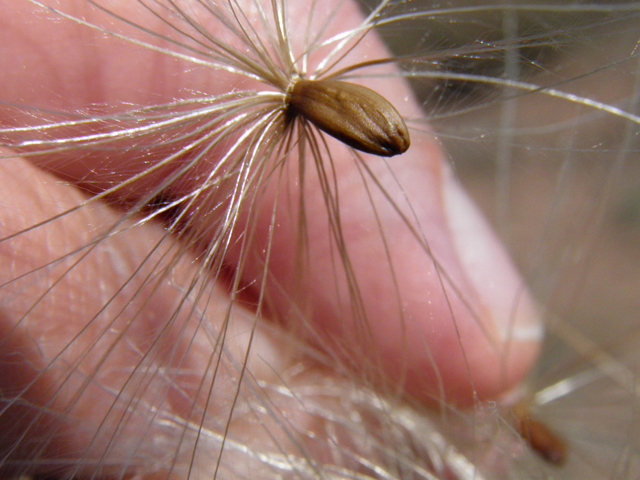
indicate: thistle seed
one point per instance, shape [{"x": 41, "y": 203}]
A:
[
  {"x": 539, "y": 437},
  {"x": 355, "y": 115}
]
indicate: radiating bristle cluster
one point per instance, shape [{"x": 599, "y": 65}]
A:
[{"x": 186, "y": 278}]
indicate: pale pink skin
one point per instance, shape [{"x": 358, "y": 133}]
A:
[{"x": 433, "y": 344}]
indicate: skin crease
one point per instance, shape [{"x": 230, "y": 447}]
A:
[{"x": 435, "y": 347}]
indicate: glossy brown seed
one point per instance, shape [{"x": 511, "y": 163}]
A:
[
  {"x": 542, "y": 440},
  {"x": 353, "y": 114}
]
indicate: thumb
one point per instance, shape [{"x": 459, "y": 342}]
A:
[{"x": 384, "y": 263}]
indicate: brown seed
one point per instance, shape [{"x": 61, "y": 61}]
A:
[
  {"x": 353, "y": 114},
  {"x": 542, "y": 440}
]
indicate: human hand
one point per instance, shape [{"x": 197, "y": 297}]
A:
[{"x": 119, "y": 327}]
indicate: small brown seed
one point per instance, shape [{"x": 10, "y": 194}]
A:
[
  {"x": 353, "y": 114},
  {"x": 539, "y": 437}
]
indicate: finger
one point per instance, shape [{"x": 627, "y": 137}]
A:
[
  {"x": 443, "y": 312},
  {"x": 105, "y": 366}
]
